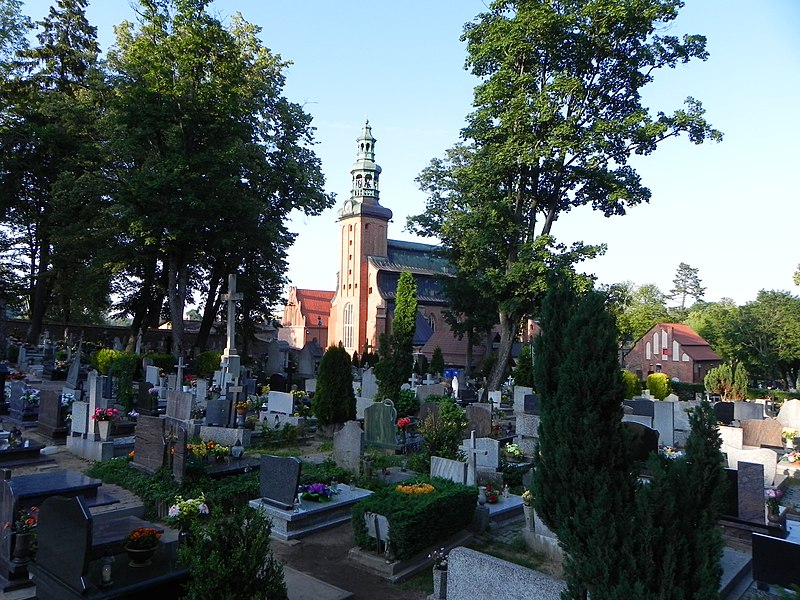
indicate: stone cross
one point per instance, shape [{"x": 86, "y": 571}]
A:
[
  {"x": 179, "y": 383},
  {"x": 231, "y": 297},
  {"x": 472, "y": 459},
  {"x": 139, "y": 342},
  {"x": 233, "y": 395}
]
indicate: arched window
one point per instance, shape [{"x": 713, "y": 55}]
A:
[
  {"x": 676, "y": 350},
  {"x": 348, "y": 325},
  {"x": 648, "y": 349},
  {"x": 432, "y": 322},
  {"x": 656, "y": 344}
]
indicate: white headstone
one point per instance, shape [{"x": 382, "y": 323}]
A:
[
  {"x": 495, "y": 397},
  {"x": 789, "y": 415},
  {"x": 520, "y": 391},
  {"x": 281, "y": 402},
  {"x": 361, "y": 404},
  {"x": 763, "y": 456},
  {"x": 348, "y": 447},
  {"x": 452, "y": 470},
  {"x": 664, "y": 421},
  {"x": 152, "y": 375},
  {"x": 369, "y": 384},
  {"x": 311, "y": 386}
]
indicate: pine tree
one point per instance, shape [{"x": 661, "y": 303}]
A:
[
  {"x": 396, "y": 350},
  {"x": 582, "y": 399},
  {"x": 523, "y": 373},
  {"x": 437, "y": 362},
  {"x": 740, "y": 378},
  {"x": 334, "y": 401},
  {"x": 687, "y": 283}
]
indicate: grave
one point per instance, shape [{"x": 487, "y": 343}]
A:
[
  {"x": 644, "y": 440},
  {"x": 380, "y": 425},
  {"x": 69, "y": 565},
  {"x": 452, "y": 470},
  {"x": 361, "y": 404},
  {"x": 531, "y": 404},
  {"x": 479, "y": 419},
  {"x": 279, "y": 482},
  {"x": 724, "y": 412},
  {"x": 434, "y": 389},
  {"x": 664, "y": 422},
  {"x": 527, "y": 429},
  {"x": 369, "y": 384},
  {"x": 281, "y": 402},
  {"x": 520, "y": 392},
  {"x": 542, "y": 540},
  {"x": 150, "y": 444},
  {"x": 428, "y": 409},
  {"x": 747, "y": 410},
  {"x": 765, "y": 457},
  {"x": 179, "y": 405},
  {"x": 775, "y": 557},
  {"x": 789, "y": 415},
  {"x": 147, "y": 403},
  {"x": 758, "y": 433},
  {"x": 217, "y": 411},
  {"x": 348, "y": 447}
]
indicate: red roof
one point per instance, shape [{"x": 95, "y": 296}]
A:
[
  {"x": 695, "y": 347},
  {"x": 315, "y": 304}
]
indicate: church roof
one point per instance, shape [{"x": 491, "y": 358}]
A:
[
  {"x": 413, "y": 257},
  {"x": 429, "y": 287},
  {"x": 314, "y": 304}
]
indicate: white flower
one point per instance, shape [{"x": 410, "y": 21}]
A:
[{"x": 174, "y": 511}]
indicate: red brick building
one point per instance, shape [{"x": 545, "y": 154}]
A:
[{"x": 673, "y": 349}]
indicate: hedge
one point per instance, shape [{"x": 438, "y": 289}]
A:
[{"x": 417, "y": 522}]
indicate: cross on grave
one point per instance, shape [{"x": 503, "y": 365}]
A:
[
  {"x": 233, "y": 395},
  {"x": 231, "y": 297},
  {"x": 139, "y": 342},
  {"x": 179, "y": 383},
  {"x": 472, "y": 459}
]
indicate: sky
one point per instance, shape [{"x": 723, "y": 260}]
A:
[{"x": 731, "y": 210}]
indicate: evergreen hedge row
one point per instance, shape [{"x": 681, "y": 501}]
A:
[{"x": 417, "y": 521}]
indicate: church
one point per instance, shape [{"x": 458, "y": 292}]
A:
[{"x": 361, "y": 307}]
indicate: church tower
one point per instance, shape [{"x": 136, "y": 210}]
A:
[{"x": 363, "y": 230}]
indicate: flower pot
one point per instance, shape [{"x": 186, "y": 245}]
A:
[
  {"x": 187, "y": 388},
  {"x": 773, "y": 516},
  {"x": 104, "y": 429},
  {"x": 140, "y": 557},
  {"x": 439, "y": 584},
  {"x": 482, "y": 495},
  {"x": 789, "y": 443}
]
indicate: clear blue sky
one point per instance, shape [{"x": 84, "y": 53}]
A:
[{"x": 731, "y": 210}]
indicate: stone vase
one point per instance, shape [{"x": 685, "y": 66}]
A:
[
  {"x": 439, "y": 584},
  {"x": 22, "y": 547},
  {"x": 773, "y": 516},
  {"x": 482, "y": 495},
  {"x": 529, "y": 520},
  {"x": 140, "y": 557},
  {"x": 104, "y": 429}
]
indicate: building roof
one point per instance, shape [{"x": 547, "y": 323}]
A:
[
  {"x": 695, "y": 346},
  {"x": 314, "y": 304},
  {"x": 416, "y": 258},
  {"x": 429, "y": 287}
]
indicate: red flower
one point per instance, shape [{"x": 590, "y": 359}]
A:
[{"x": 403, "y": 422}]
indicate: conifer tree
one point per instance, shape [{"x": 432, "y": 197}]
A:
[
  {"x": 334, "y": 401},
  {"x": 523, "y": 373},
  {"x": 396, "y": 350},
  {"x": 740, "y": 377},
  {"x": 437, "y": 362},
  {"x": 579, "y": 381}
]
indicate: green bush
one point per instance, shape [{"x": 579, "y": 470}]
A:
[
  {"x": 207, "y": 362},
  {"x": 407, "y": 403},
  {"x": 686, "y": 391},
  {"x": 442, "y": 436},
  {"x": 334, "y": 400},
  {"x": 125, "y": 368},
  {"x": 417, "y": 521},
  {"x": 323, "y": 472},
  {"x": 165, "y": 362},
  {"x": 235, "y": 547},
  {"x": 103, "y": 358},
  {"x": 659, "y": 385},
  {"x": 436, "y": 398},
  {"x": 633, "y": 387}
]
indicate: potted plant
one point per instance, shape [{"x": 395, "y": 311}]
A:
[
  {"x": 189, "y": 381},
  {"x": 183, "y": 512},
  {"x": 788, "y": 435},
  {"x": 439, "y": 573},
  {"x": 242, "y": 407},
  {"x": 316, "y": 492},
  {"x": 140, "y": 545},
  {"x": 30, "y": 396},
  {"x": 103, "y": 417},
  {"x": 492, "y": 494},
  {"x": 774, "y": 505},
  {"x": 24, "y": 530},
  {"x": 512, "y": 452},
  {"x": 527, "y": 508}
]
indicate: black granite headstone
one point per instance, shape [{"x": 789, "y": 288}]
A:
[
  {"x": 644, "y": 440},
  {"x": 280, "y": 477},
  {"x": 724, "y": 412},
  {"x": 217, "y": 412},
  {"x": 643, "y": 408},
  {"x": 65, "y": 540},
  {"x": 277, "y": 382},
  {"x": 531, "y": 404}
]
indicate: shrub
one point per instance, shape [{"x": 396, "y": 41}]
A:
[
  {"x": 207, "y": 362},
  {"x": 686, "y": 391},
  {"x": 407, "y": 403},
  {"x": 165, "y": 362},
  {"x": 437, "y": 362},
  {"x": 442, "y": 436},
  {"x": 659, "y": 385},
  {"x": 123, "y": 367},
  {"x": 235, "y": 547},
  {"x": 417, "y": 521},
  {"x": 334, "y": 400},
  {"x": 633, "y": 387},
  {"x": 102, "y": 359}
]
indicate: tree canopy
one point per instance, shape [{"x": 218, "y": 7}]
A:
[{"x": 558, "y": 115}]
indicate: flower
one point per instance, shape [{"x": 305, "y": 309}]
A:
[
  {"x": 17, "y": 376},
  {"x": 133, "y": 414},
  {"x": 154, "y": 391},
  {"x": 492, "y": 494},
  {"x": 215, "y": 389},
  {"x": 143, "y": 538},
  {"x": 792, "y": 457},
  {"x": 184, "y": 511},
  {"x": 318, "y": 492},
  {"x": 403, "y": 422},
  {"x": 527, "y": 497},
  {"x": 30, "y": 396},
  {"x": 105, "y": 414},
  {"x": 439, "y": 557},
  {"x": 217, "y": 450},
  {"x": 788, "y": 433},
  {"x": 198, "y": 450},
  {"x": 415, "y": 488},
  {"x": 669, "y": 452},
  {"x": 190, "y": 380},
  {"x": 242, "y": 405},
  {"x": 774, "y": 500},
  {"x": 26, "y": 522},
  {"x": 7, "y": 393},
  {"x": 67, "y": 398},
  {"x": 512, "y": 451}
]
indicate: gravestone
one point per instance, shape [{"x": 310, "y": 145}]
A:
[
  {"x": 175, "y": 450},
  {"x": 527, "y": 433},
  {"x": 147, "y": 403},
  {"x": 664, "y": 422},
  {"x": 361, "y": 404},
  {"x": 724, "y": 412},
  {"x": 279, "y": 480},
  {"x": 65, "y": 541},
  {"x": 95, "y": 394},
  {"x": 80, "y": 418},
  {"x": 179, "y": 405},
  {"x": 369, "y": 384},
  {"x": 789, "y": 415},
  {"x": 281, "y": 402},
  {"x": 750, "y": 488},
  {"x": 51, "y": 416},
  {"x": 644, "y": 440},
  {"x": 479, "y": 419},
  {"x": 765, "y": 457},
  {"x": 745, "y": 411},
  {"x": 472, "y": 452},
  {"x": 380, "y": 425},
  {"x": 427, "y": 409},
  {"x": 217, "y": 410},
  {"x": 425, "y": 390},
  {"x": 149, "y": 444},
  {"x": 249, "y": 386},
  {"x": 311, "y": 385},
  {"x": 494, "y": 398},
  {"x": 531, "y": 404},
  {"x": 277, "y": 383},
  {"x": 201, "y": 390},
  {"x": 761, "y": 432},
  {"x": 641, "y": 407},
  {"x": 377, "y": 527},
  {"x": 641, "y": 419},
  {"x": 520, "y": 391},
  {"x": 348, "y": 447},
  {"x": 732, "y": 437},
  {"x": 489, "y": 456},
  {"x": 74, "y": 373},
  {"x": 452, "y": 470}
]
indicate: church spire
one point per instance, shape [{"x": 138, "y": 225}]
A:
[{"x": 365, "y": 190}]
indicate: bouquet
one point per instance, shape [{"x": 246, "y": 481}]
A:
[
  {"x": 403, "y": 422},
  {"x": 183, "y": 511},
  {"x": 26, "y": 522},
  {"x": 788, "y": 433},
  {"x": 527, "y": 498},
  {"x": 492, "y": 494},
  {"x": 439, "y": 559},
  {"x": 67, "y": 398},
  {"x": 190, "y": 380},
  {"x": 30, "y": 396},
  {"x": 415, "y": 488},
  {"x": 105, "y": 414},
  {"x": 316, "y": 492},
  {"x": 792, "y": 457},
  {"x": 143, "y": 538},
  {"x": 242, "y": 406},
  {"x": 512, "y": 451},
  {"x": 774, "y": 500}
]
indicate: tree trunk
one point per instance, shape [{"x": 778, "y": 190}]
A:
[
  {"x": 39, "y": 294},
  {"x": 3, "y": 338},
  {"x": 508, "y": 327},
  {"x": 176, "y": 296},
  {"x": 210, "y": 311},
  {"x": 468, "y": 363}
]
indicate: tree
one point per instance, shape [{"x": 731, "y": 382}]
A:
[
  {"x": 13, "y": 27},
  {"x": 210, "y": 159},
  {"x": 578, "y": 379},
  {"x": 687, "y": 283},
  {"x": 558, "y": 114},
  {"x": 641, "y": 307},
  {"x": 334, "y": 401},
  {"x": 740, "y": 379},
  {"x": 523, "y": 373},
  {"x": 396, "y": 350},
  {"x": 719, "y": 323},
  {"x": 437, "y": 362},
  {"x": 719, "y": 381}
]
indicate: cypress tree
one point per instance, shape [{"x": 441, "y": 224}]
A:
[
  {"x": 437, "y": 362},
  {"x": 334, "y": 402},
  {"x": 396, "y": 350}
]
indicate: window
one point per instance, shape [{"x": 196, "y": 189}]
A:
[
  {"x": 656, "y": 343},
  {"x": 348, "y": 325},
  {"x": 664, "y": 341},
  {"x": 432, "y": 322},
  {"x": 676, "y": 350},
  {"x": 648, "y": 349}
]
